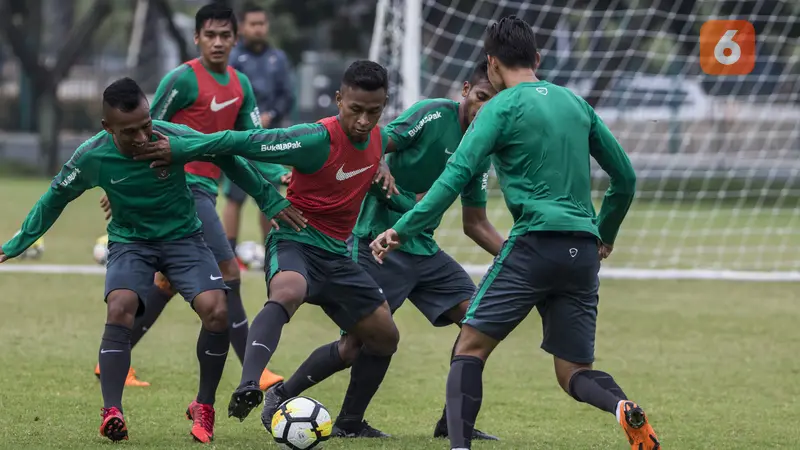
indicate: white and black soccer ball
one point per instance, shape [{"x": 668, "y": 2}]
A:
[
  {"x": 35, "y": 251},
  {"x": 100, "y": 251},
  {"x": 251, "y": 254},
  {"x": 301, "y": 423}
]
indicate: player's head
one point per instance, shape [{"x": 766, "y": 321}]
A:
[
  {"x": 126, "y": 115},
  {"x": 509, "y": 45},
  {"x": 477, "y": 91},
  {"x": 362, "y": 97},
  {"x": 254, "y": 24},
  {"x": 215, "y": 31}
]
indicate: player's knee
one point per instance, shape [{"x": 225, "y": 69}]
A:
[
  {"x": 121, "y": 307},
  {"x": 565, "y": 370},
  {"x": 230, "y": 270},
  {"x": 288, "y": 289},
  {"x": 349, "y": 348},
  {"x": 212, "y": 307},
  {"x": 382, "y": 336},
  {"x": 472, "y": 342}
]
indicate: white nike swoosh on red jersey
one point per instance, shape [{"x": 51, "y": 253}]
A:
[
  {"x": 341, "y": 175},
  {"x": 220, "y": 106}
]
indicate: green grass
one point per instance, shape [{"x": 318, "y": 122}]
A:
[{"x": 714, "y": 363}]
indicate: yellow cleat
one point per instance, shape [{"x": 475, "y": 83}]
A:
[{"x": 268, "y": 379}]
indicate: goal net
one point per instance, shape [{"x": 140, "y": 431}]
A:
[{"x": 717, "y": 157}]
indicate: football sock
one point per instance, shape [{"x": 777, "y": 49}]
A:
[
  {"x": 464, "y": 395},
  {"x": 596, "y": 388},
  {"x": 366, "y": 377},
  {"x": 237, "y": 318},
  {"x": 232, "y": 243},
  {"x": 444, "y": 410},
  {"x": 265, "y": 333},
  {"x": 115, "y": 361},
  {"x": 154, "y": 304},
  {"x": 322, "y": 363},
  {"x": 212, "y": 351}
]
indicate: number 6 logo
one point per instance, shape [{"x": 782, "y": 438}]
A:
[{"x": 727, "y": 47}]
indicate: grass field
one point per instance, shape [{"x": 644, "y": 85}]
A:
[{"x": 714, "y": 363}]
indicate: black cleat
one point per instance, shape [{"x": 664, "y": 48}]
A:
[
  {"x": 273, "y": 399},
  {"x": 243, "y": 400},
  {"x": 354, "y": 429},
  {"x": 477, "y": 435}
]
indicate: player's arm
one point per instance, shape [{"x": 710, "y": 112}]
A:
[
  {"x": 402, "y": 201},
  {"x": 244, "y": 175},
  {"x": 176, "y": 91},
  {"x": 75, "y": 177},
  {"x": 608, "y": 153},
  {"x": 405, "y": 129},
  {"x": 473, "y": 212}
]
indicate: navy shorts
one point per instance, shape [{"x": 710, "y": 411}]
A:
[
  {"x": 555, "y": 272},
  {"x": 335, "y": 282},
  {"x": 435, "y": 284},
  {"x": 187, "y": 263},
  {"x": 213, "y": 231}
]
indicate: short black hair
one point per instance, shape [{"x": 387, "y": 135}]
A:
[
  {"x": 214, "y": 11},
  {"x": 366, "y": 75},
  {"x": 251, "y": 7},
  {"x": 123, "y": 94},
  {"x": 481, "y": 73},
  {"x": 511, "y": 40}
]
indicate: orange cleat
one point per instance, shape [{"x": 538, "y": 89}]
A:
[
  {"x": 113, "y": 426},
  {"x": 634, "y": 422},
  {"x": 202, "y": 417},
  {"x": 242, "y": 266},
  {"x": 131, "y": 380},
  {"x": 268, "y": 379}
]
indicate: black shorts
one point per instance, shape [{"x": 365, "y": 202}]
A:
[
  {"x": 435, "y": 284},
  {"x": 335, "y": 282},
  {"x": 187, "y": 263},
  {"x": 213, "y": 231},
  {"x": 555, "y": 272}
]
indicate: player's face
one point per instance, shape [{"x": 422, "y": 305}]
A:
[
  {"x": 359, "y": 110},
  {"x": 475, "y": 95},
  {"x": 215, "y": 40},
  {"x": 131, "y": 130},
  {"x": 255, "y": 27}
]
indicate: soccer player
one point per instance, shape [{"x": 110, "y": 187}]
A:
[
  {"x": 540, "y": 137},
  {"x": 208, "y": 95},
  {"x": 334, "y": 161},
  {"x": 421, "y": 141},
  {"x": 154, "y": 228}
]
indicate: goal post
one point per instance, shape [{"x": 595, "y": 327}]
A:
[{"x": 717, "y": 157}]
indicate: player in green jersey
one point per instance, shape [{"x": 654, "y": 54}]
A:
[
  {"x": 540, "y": 137},
  {"x": 154, "y": 228}
]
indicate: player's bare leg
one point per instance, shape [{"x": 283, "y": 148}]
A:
[
  {"x": 599, "y": 389},
  {"x": 212, "y": 351},
  {"x": 115, "y": 360}
]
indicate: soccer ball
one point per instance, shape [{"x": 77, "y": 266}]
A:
[
  {"x": 100, "y": 251},
  {"x": 35, "y": 251},
  {"x": 301, "y": 423},
  {"x": 251, "y": 254}
]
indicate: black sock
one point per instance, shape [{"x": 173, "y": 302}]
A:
[
  {"x": 237, "y": 318},
  {"x": 212, "y": 351},
  {"x": 155, "y": 303},
  {"x": 464, "y": 395},
  {"x": 443, "y": 419},
  {"x": 232, "y": 243},
  {"x": 366, "y": 377},
  {"x": 320, "y": 364},
  {"x": 265, "y": 333},
  {"x": 115, "y": 361},
  {"x": 596, "y": 388}
]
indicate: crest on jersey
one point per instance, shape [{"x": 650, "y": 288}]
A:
[
  {"x": 573, "y": 252},
  {"x": 162, "y": 173},
  {"x": 542, "y": 90}
]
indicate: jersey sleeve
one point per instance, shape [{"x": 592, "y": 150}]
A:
[
  {"x": 608, "y": 153},
  {"x": 406, "y": 128},
  {"x": 481, "y": 139},
  {"x": 402, "y": 202},
  {"x": 474, "y": 193},
  {"x": 176, "y": 91},
  {"x": 249, "y": 117},
  {"x": 75, "y": 177},
  {"x": 272, "y": 172},
  {"x": 243, "y": 174}
]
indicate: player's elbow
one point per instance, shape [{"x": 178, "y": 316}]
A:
[{"x": 624, "y": 182}]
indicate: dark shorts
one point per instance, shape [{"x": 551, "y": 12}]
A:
[
  {"x": 335, "y": 282},
  {"x": 187, "y": 263},
  {"x": 213, "y": 232},
  {"x": 435, "y": 284},
  {"x": 556, "y": 273},
  {"x": 236, "y": 194}
]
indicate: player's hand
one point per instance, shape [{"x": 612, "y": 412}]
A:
[
  {"x": 106, "y": 205},
  {"x": 286, "y": 179},
  {"x": 292, "y": 217},
  {"x": 421, "y": 196},
  {"x": 385, "y": 176},
  {"x": 158, "y": 151},
  {"x": 604, "y": 251},
  {"x": 3, "y": 256},
  {"x": 384, "y": 243},
  {"x": 266, "y": 119}
]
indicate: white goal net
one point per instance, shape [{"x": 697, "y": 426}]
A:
[{"x": 717, "y": 157}]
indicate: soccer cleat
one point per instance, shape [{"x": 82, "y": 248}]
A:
[
  {"x": 113, "y": 426},
  {"x": 268, "y": 379},
  {"x": 242, "y": 265},
  {"x": 243, "y": 400},
  {"x": 347, "y": 429},
  {"x": 202, "y": 417},
  {"x": 273, "y": 399},
  {"x": 634, "y": 422},
  {"x": 130, "y": 380},
  {"x": 440, "y": 431}
]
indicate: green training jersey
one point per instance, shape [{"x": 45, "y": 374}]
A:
[
  {"x": 146, "y": 204},
  {"x": 425, "y": 136},
  {"x": 540, "y": 137},
  {"x": 180, "y": 89}
]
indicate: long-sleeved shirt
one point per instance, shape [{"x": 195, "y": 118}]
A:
[{"x": 271, "y": 76}]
